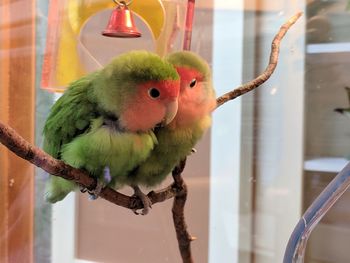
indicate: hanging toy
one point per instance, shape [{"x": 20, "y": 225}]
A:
[
  {"x": 62, "y": 64},
  {"x": 121, "y": 23}
]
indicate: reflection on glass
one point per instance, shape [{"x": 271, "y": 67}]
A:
[{"x": 267, "y": 157}]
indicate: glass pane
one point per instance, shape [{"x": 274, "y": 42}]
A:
[
  {"x": 266, "y": 157},
  {"x": 326, "y": 143}
]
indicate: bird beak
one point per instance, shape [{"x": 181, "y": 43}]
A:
[{"x": 171, "y": 110}]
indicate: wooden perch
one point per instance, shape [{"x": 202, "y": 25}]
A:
[
  {"x": 253, "y": 84},
  {"x": 183, "y": 237},
  {"x": 178, "y": 189},
  {"x": 14, "y": 142}
]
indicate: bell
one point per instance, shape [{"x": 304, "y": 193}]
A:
[{"x": 121, "y": 23}]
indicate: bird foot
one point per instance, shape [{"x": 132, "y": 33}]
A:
[
  {"x": 94, "y": 194},
  {"x": 83, "y": 189},
  {"x": 147, "y": 203}
]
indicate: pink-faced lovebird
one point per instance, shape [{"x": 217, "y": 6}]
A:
[
  {"x": 176, "y": 140},
  {"x": 104, "y": 121}
]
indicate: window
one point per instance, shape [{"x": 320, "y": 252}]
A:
[{"x": 267, "y": 156}]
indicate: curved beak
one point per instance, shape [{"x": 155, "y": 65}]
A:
[{"x": 171, "y": 110}]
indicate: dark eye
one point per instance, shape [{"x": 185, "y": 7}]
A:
[
  {"x": 153, "y": 93},
  {"x": 193, "y": 83}
]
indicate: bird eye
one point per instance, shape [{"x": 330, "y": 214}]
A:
[
  {"x": 193, "y": 83},
  {"x": 153, "y": 93}
]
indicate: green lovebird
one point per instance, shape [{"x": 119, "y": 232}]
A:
[
  {"x": 193, "y": 118},
  {"x": 104, "y": 121}
]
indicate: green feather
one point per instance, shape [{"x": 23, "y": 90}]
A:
[
  {"x": 104, "y": 146},
  {"x": 134, "y": 66},
  {"x": 174, "y": 144},
  {"x": 75, "y": 130},
  {"x": 190, "y": 60},
  {"x": 69, "y": 116}
]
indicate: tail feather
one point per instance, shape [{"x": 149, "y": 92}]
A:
[{"x": 58, "y": 188}]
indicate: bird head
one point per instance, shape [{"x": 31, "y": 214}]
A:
[
  {"x": 141, "y": 89},
  {"x": 197, "y": 96}
]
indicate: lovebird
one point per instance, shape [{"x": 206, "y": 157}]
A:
[
  {"x": 104, "y": 122},
  {"x": 345, "y": 111},
  {"x": 177, "y": 139}
]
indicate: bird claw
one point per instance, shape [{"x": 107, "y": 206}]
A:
[
  {"x": 144, "y": 211},
  {"x": 83, "y": 189},
  {"x": 94, "y": 194},
  {"x": 146, "y": 202},
  {"x": 92, "y": 197}
]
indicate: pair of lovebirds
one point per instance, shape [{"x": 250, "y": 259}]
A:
[{"x": 131, "y": 122}]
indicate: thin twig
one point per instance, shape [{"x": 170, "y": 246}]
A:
[
  {"x": 251, "y": 85},
  {"x": 183, "y": 237}
]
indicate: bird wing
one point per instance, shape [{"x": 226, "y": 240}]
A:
[{"x": 70, "y": 116}]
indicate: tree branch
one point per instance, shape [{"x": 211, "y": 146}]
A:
[
  {"x": 15, "y": 143},
  {"x": 253, "y": 84},
  {"x": 183, "y": 237},
  {"x": 178, "y": 189}
]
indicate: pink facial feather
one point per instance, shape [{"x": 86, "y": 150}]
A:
[
  {"x": 143, "y": 112},
  {"x": 194, "y": 103}
]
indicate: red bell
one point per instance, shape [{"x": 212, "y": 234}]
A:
[{"x": 121, "y": 23}]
